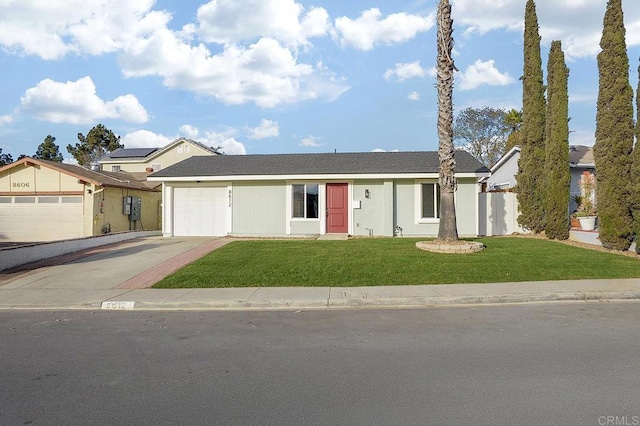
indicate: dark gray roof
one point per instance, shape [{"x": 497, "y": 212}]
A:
[
  {"x": 131, "y": 153},
  {"x": 580, "y": 155},
  {"x": 315, "y": 164}
]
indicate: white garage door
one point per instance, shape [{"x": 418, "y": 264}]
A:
[
  {"x": 200, "y": 212},
  {"x": 41, "y": 218}
]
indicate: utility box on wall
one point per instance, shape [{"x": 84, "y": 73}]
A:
[{"x": 132, "y": 206}]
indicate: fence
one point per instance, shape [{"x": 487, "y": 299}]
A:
[{"x": 499, "y": 213}]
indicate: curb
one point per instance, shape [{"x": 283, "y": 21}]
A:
[{"x": 330, "y": 304}]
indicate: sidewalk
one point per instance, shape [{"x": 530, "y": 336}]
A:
[{"x": 118, "y": 277}]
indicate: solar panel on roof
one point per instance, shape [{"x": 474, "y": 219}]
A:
[{"x": 132, "y": 152}]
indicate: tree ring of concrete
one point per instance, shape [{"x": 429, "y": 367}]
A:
[{"x": 452, "y": 247}]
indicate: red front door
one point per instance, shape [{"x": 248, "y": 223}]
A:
[{"x": 337, "y": 208}]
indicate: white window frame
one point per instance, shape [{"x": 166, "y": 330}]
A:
[
  {"x": 418, "y": 201},
  {"x": 116, "y": 169},
  {"x": 290, "y": 197}
]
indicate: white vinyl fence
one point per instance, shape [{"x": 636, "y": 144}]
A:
[{"x": 499, "y": 213}]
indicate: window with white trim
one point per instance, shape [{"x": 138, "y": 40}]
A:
[
  {"x": 429, "y": 201},
  {"x": 305, "y": 200},
  {"x": 115, "y": 168}
]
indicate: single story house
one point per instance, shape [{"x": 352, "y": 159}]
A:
[
  {"x": 153, "y": 159},
  {"x": 46, "y": 201},
  {"x": 368, "y": 194}
]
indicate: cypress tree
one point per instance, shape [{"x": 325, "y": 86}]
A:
[
  {"x": 635, "y": 172},
  {"x": 558, "y": 175},
  {"x": 614, "y": 133},
  {"x": 530, "y": 188}
]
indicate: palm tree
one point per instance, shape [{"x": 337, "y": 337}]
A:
[
  {"x": 513, "y": 120},
  {"x": 448, "y": 230}
]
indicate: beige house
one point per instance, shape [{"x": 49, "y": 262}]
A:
[
  {"x": 153, "y": 159},
  {"x": 46, "y": 201}
]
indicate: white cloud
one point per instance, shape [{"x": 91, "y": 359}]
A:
[
  {"x": 249, "y": 59},
  {"x": 378, "y": 150},
  {"x": 310, "y": 142},
  {"x": 145, "y": 139},
  {"x": 405, "y": 71},
  {"x": 414, "y": 96},
  {"x": 229, "y": 144},
  {"x": 266, "y": 129},
  {"x": 483, "y": 73},
  {"x": 54, "y": 29},
  {"x": 232, "y": 21},
  {"x": 6, "y": 119},
  {"x": 580, "y": 34},
  {"x": 76, "y": 102},
  {"x": 371, "y": 29},
  {"x": 189, "y": 131},
  {"x": 264, "y": 73}
]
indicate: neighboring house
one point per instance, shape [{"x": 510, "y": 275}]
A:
[
  {"x": 500, "y": 211},
  {"x": 368, "y": 194},
  {"x": 503, "y": 173},
  {"x": 46, "y": 201},
  {"x": 153, "y": 159},
  {"x": 580, "y": 161}
]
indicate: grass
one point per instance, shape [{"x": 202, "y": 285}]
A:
[{"x": 393, "y": 261}]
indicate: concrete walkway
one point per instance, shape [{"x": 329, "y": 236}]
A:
[{"x": 118, "y": 276}]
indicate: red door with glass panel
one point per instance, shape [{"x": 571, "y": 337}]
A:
[{"x": 337, "y": 208}]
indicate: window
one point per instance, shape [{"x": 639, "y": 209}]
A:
[
  {"x": 305, "y": 201},
  {"x": 71, "y": 200},
  {"x": 4, "y": 200},
  {"x": 48, "y": 200},
  {"x": 430, "y": 194},
  {"x": 183, "y": 148},
  {"x": 25, "y": 200},
  {"x": 115, "y": 168}
]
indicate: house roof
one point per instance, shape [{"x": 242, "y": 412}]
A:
[
  {"x": 146, "y": 154},
  {"x": 580, "y": 155},
  {"x": 98, "y": 178},
  {"x": 132, "y": 152},
  {"x": 317, "y": 164}
]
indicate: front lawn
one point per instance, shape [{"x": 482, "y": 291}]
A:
[{"x": 393, "y": 261}]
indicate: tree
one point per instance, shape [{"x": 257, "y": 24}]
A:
[
  {"x": 513, "y": 120},
  {"x": 530, "y": 179},
  {"x": 482, "y": 133},
  {"x": 99, "y": 142},
  {"x": 48, "y": 150},
  {"x": 448, "y": 229},
  {"x": 635, "y": 173},
  {"x": 558, "y": 175},
  {"x": 614, "y": 133},
  {"x": 5, "y": 158}
]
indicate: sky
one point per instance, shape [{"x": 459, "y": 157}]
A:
[{"x": 277, "y": 76}]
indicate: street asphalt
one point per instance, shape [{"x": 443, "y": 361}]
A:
[{"x": 119, "y": 277}]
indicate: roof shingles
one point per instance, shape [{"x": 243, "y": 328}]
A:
[{"x": 316, "y": 164}]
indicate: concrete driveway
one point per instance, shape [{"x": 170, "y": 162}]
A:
[{"x": 107, "y": 270}]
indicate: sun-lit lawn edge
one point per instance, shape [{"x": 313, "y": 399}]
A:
[{"x": 393, "y": 261}]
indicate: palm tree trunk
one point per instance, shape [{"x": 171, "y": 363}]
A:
[{"x": 448, "y": 230}]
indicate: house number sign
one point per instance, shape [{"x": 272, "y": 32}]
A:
[{"x": 20, "y": 184}]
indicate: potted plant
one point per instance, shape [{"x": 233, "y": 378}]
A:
[
  {"x": 575, "y": 223},
  {"x": 586, "y": 212}
]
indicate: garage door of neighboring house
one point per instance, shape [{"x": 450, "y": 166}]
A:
[
  {"x": 41, "y": 218},
  {"x": 200, "y": 212}
]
